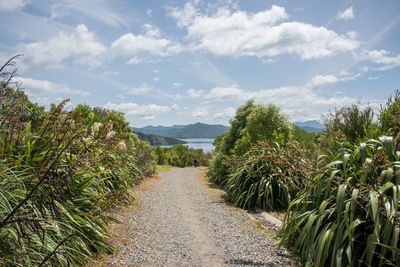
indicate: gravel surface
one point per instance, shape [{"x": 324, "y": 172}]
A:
[{"x": 179, "y": 221}]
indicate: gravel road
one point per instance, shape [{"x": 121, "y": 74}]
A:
[{"x": 179, "y": 221}]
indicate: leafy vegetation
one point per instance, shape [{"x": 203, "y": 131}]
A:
[
  {"x": 181, "y": 156},
  {"x": 348, "y": 214},
  {"x": 340, "y": 188},
  {"x": 268, "y": 176},
  {"x": 252, "y": 123},
  {"x": 60, "y": 172}
]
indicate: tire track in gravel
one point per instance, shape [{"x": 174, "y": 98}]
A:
[{"x": 179, "y": 222}]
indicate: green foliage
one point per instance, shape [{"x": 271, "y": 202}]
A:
[
  {"x": 252, "y": 123},
  {"x": 389, "y": 121},
  {"x": 307, "y": 140},
  {"x": 181, "y": 156},
  {"x": 348, "y": 214},
  {"x": 268, "y": 176},
  {"x": 351, "y": 124},
  {"x": 59, "y": 172}
]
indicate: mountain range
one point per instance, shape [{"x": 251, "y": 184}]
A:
[
  {"x": 156, "y": 140},
  {"x": 310, "y": 126},
  {"x": 197, "y": 130}
]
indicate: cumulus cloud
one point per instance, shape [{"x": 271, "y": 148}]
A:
[
  {"x": 140, "y": 90},
  {"x": 7, "y": 5},
  {"x": 149, "y": 43},
  {"x": 225, "y": 93},
  {"x": 193, "y": 93},
  {"x": 79, "y": 45},
  {"x": 227, "y": 113},
  {"x": 262, "y": 34},
  {"x": 383, "y": 58},
  {"x": 42, "y": 87},
  {"x": 139, "y": 111},
  {"x": 299, "y": 102},
  {"x": 346, "y": 14},
  {"x": 324, "y": 79}
]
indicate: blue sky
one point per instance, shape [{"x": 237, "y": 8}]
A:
[{"x": 177, "y": 62}]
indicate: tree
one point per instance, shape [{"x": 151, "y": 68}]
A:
[{"x": 252, "y": 123}]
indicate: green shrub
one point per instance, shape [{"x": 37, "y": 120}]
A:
[
  {"x": 348, "y": 215},
  {"x": 268, "y": 176},
  {"x": 58, "y": 174}
]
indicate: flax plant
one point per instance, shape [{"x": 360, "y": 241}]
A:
[
  {"x": 348, "y": 215},
  {"x": 57, "y": 179},
  {"x": 268, "y": 176}
]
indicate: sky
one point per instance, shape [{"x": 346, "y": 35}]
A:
[{"x": 178, "y": 62}]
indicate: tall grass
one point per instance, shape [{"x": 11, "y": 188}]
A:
[{"x": 349, "y": 214}]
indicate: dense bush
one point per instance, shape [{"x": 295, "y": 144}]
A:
[
  {"x": 181, "y": 156},
  {"x": 252, "y": 123},
  {"x": 352, "y": 123},
  {"x": 349, "y": 214},
  {"x": 59, "y": 172},
  {"x": 268, "y": 176}
]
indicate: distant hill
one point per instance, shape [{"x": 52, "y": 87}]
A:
[
  {"x": 310, "y": 126},
  {"x": 156, "y": 140},
  {"x": 197, "y": 130}
]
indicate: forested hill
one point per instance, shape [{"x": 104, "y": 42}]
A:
[
  {"x": 197, "y": 130},
  {"x": 156, "y": 140},
  {"x": 310, "y": 126}
]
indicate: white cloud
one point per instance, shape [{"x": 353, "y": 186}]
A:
[
  {"x": 200, "y": 112},
  {"x": 372, "y": 78},
  {"x": 43, "y": 87},
  {"x": 149, "y": 43},
  {"x": 321, "y": 79},
  {"x": 261, "y": 34},
  {"x": 7, "y": 5},
  {"x": 299, "y": 102},
  {"x": 140, "y": 90},
  {"x": 227, "y": 113},
  {"x": 139, "y": 111},
  {"x": 176, "y": 84},
  {"x": 346, "y": 14},
  {"x": 382, "y": 57},
  {"x": 156, "y": 79},
  {"x": 79, "y": 45},
  {"x": 193, "y": 93},
  {"x": 225, "y": 93},
  {"x": 149, "y": 12}
]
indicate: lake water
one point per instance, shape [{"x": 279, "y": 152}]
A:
[{"x": 205, "y": 143}]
